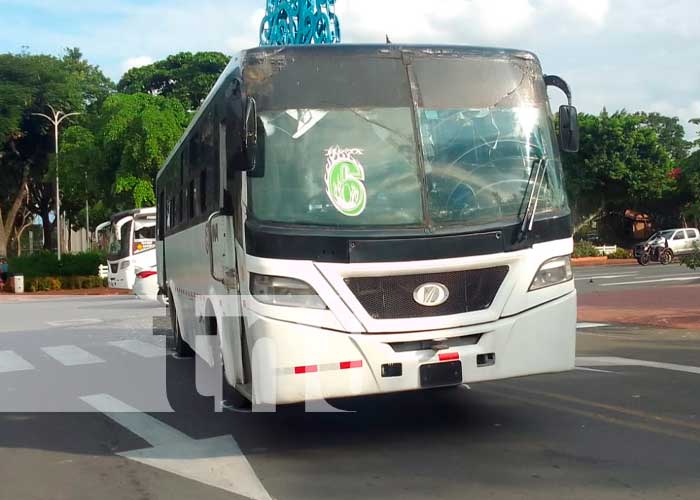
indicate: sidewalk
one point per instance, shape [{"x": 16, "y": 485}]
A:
[
  {"x": 664, "y": 307},
  {"x": 78, "y": 292}
]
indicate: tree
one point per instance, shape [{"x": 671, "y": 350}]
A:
[
  {"x": 28, "y": 83},
  {"x": 122, "y": 150},
  {"x": 670, "y": 132},
  {"x": 622, "y": 164},
  {"x": 689, "y": 181},
  {"x": 185, "y": 76}
]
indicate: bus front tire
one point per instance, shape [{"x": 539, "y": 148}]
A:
[{"x": 182, "y": 349}]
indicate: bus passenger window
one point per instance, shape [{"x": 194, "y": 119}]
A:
[
  {"x": 180, "y": 214},
  {"x": 161, "y": 216},
  {"x": 203, "y": 192},
  {"x": 190, "y": 200},
  {"x": 169, "y": 220}
]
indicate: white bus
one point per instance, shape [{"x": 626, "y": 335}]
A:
[
  {"x": 387, "y": 218},
  {"x": 130, "y": 246}
]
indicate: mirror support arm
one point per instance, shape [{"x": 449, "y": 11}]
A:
[{"x": 560, "y": 83}]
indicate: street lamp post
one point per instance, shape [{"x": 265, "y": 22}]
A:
[
  {"x": 87, "y": 216},
  {"x": 56, "y": 120}
]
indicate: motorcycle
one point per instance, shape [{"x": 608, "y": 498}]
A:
[{"x": 647, "y": 253}]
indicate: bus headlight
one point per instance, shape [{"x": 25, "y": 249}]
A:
[
  {"x": 553, "y": 272},
  {"x": 279, "y": 291}
]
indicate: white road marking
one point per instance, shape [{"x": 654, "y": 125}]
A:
[
  {"x": 10, "y": 361},
  {"x": 581, "y": 326},
  {"x": 581, "y": 368},
  {"x": 71, "y": 355},
  {"x": 216, "y": 461},
  {"x": 657, "y": 280},
  {"x": 143, "y": 349},
  {"x": 146, "y": 427},
  {"x": 74, "y": 322},
  {"x": 605, "y": 276},
  {"x": 613, "y": 361}
]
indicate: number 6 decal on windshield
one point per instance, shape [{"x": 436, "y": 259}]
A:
[{"x": 344, "y": 178}]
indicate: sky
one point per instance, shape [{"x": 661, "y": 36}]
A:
[{"x": 631, "y": 54}]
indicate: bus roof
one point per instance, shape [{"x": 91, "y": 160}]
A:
[
  {"x": 131, "y": 213},
  {"x": 391, "y": 50}
]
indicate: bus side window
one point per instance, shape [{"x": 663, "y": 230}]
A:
[
  {"x": 203, "y": 192},
  {"x": 169, "y": 215},
  {"x": 190, "y": 200},
  {"x": 161, "y": 216},
  {"x": 180, "y": 212}
]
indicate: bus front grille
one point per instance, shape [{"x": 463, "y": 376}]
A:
[{"x": 391, "y": 297}]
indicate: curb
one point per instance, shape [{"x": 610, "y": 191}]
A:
[
  {"x": 108, "y": 292},
  {"x": 602, "y": 261}
]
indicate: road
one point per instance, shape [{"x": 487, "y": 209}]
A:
[
  {"x": 662, "y": 296},
  {"x": 625, "y": 424},
  {"x": 629, "y": 277}
]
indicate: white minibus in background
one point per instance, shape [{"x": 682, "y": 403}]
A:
[
  {"x": 385, "y": 218},
  {"x": 131, "y": 245}
]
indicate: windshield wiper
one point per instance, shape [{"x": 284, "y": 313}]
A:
[{"x": 539, "y": 171}]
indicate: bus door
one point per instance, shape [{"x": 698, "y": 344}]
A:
[
  {"x": 120, "y": 252},
  {"x": 222, "y": 254}
]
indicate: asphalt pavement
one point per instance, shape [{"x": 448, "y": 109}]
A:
[
  {"x": 633, "y": 276},
  {"x": 93, "y": 404}
]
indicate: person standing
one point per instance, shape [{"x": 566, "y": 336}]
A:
[{"x": 3, "y": 270}]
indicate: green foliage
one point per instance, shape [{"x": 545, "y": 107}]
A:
[
  {"x": 690, "y": 187},
  {"x": 620, "y": 254},
  {"x": 186, "y": 77},
  {"x": 621, "y": 163},
  {"x": 670, "y": 132},
  {"x": 138, "y": 133},
  {"x": 585, "y": 249},
  {"x": 692, "y": 261},
  {"x": 42, "y": 264},
  {"x": 130, "y": 139},
  {"x": 29, "y": 84},
  {"x": 53, "y": 283}
]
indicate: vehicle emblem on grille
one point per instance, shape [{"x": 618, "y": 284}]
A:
[{"x": 431, "y": 294}]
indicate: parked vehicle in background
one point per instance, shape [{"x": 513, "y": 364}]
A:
[
  {"x": 146, "y": 284},
  {"x": 664, "y": 245},
  {"x": 131, "y": 244}
]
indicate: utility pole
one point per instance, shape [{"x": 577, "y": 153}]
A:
[{"x": 56, "y": 120}]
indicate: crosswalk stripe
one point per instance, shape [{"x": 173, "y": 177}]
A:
[
  {"x": 71, "y": 355},
  {"x": 10, "y": 361},
  {"x": 143, "y": 349}
]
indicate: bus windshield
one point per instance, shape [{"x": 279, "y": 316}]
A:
[
  {"x": 120, "y": 241},
  {"x": 461, "y": 154}
]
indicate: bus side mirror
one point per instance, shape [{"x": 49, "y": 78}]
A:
[
  {"x": 569, "y": 135},
  {"x": 250, "y": 135},
  {"x": 568, "y": 116}
]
